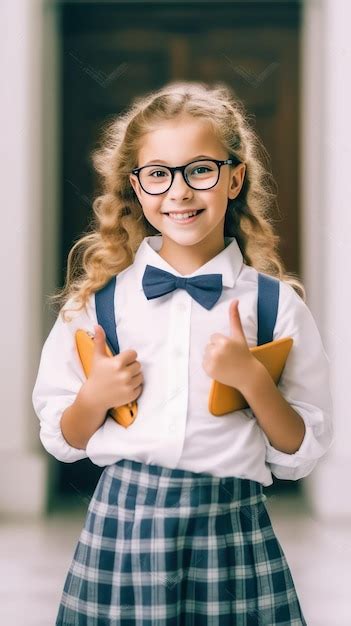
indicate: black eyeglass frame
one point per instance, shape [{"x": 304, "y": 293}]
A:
[{"x": 181, "y": 168}]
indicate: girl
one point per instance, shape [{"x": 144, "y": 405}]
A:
[{"x": 177, "y": 532}]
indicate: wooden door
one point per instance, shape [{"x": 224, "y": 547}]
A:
[{"x": 112, "y": 52}]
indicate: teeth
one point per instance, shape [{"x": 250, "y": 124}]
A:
[{"x": 182, "y": 216}]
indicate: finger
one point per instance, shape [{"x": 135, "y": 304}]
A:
[
  {"x": 216, "y": 337},
  {"x": 99, "y": 340},
  {"x": 235, "y": 321}
]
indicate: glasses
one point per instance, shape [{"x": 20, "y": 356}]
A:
[{"x": 200, "y": 175}]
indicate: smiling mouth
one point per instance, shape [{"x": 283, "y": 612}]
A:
[{"x": 182, "y": 213}]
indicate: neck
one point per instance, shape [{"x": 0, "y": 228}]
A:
[{"x": 187, "y": 259}]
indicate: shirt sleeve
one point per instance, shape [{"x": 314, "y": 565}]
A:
[
  {"x": 305, "y": 385},
  {"x": 58, "y": 381}
]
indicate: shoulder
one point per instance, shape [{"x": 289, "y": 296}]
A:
[
  {"x": 294, "y": 316},
  {"x": 73, "y": 314},
  {"x": 290, "y": 300}
]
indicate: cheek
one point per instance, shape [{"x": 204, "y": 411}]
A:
[
  {"x": 218, "y": 198},
  {"x": 151, "y": 205}
]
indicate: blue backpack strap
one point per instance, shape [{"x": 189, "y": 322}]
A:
[
  {"x": 105, "y": 313},
  {"x": 267, "y": 307}
]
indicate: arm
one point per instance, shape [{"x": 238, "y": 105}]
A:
[
  {"x": 303, "y": 393},
  {"x": 284, "y": 427},
  {"x": 59, "y": 380},
  {"x": 81, "y": 419}
]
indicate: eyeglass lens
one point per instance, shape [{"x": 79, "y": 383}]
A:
[{"x": 200, "y": 175}]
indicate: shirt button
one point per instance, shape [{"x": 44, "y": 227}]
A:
[
  {"x": 178, "y": 352},
  {"x": 181, "y": 306},
  {"x": 172, "y": 428}
]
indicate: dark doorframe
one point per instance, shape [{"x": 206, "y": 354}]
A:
[{"x": 112, "y": 52}]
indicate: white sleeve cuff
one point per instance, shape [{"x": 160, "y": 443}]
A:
[
  {"x": 51, "y": 434},
  {"x": 313, "y": 446},
  {"x": 55, "y": 444}
]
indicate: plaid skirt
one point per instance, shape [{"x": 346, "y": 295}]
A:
[{"x": 170, "y": 547}]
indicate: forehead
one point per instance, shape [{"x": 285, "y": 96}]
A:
[{"x": 179, "y": 140}]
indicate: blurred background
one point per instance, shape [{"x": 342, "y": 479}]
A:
[{"x": 69, "y": 66}]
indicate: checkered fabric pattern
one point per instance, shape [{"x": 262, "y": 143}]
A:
[{"x": 170, "y": 547}]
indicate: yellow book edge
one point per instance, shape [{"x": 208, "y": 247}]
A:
[
  {"x": 124, "y": 415},
  {"x": 224, "y": 399}
]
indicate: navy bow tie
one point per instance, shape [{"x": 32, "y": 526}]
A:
[{"x": 205, "y": 289}]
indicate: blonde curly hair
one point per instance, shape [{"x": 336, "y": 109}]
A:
[{"x": 109, "y": 244}]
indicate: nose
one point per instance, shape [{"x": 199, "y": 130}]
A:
[{"x": 179, "y": 187}]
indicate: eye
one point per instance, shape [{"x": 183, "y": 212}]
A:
[
  {"x": 161, "y": 172},
  {"x": 200, "y": 167}
]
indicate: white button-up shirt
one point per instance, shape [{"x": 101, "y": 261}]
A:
[{"x": 174, "y": 427}]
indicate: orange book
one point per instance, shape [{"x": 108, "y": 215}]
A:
[
  {"x": 124, "y": 415},
  {"x": 273, "y": 355}
]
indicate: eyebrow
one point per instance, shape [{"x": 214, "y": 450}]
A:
[{"x": 198, "y": 156}]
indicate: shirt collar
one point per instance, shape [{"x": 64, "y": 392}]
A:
[{"x": 228, "y": 262}]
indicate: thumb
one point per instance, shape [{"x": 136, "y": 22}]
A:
[
  {"x": 99, "y": 340},
  {"x": 236, "y": 329}
]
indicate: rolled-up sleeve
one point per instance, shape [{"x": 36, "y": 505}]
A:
[
  {"x": 60, "y": 376},
  {"x": 305, "y": 385}
]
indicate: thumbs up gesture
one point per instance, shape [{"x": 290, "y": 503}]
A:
[
  {"x": 228, "y": 359},
  {"x": 100, "y": 346},
  {"x": 113, "y": 380}
]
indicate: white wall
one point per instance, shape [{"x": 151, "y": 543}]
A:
[
  {"x": 326, "y": 222},
  {"x": 28, "y": 240}
]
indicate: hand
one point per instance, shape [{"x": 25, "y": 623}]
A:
[
  {"x": 113, "y": 381},
  {"x": 228, "y": 359}
]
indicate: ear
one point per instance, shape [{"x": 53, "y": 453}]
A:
[
  {"x": 236, "y": 181},
  {"x": 136, "y": 185}
]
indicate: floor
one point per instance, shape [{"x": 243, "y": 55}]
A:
[{"x": 34, "y": 557}]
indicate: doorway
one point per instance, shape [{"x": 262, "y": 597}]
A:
[{"x": 113, "y": 52}]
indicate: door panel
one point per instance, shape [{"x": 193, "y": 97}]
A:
[{"x": 112, "y": 52}]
